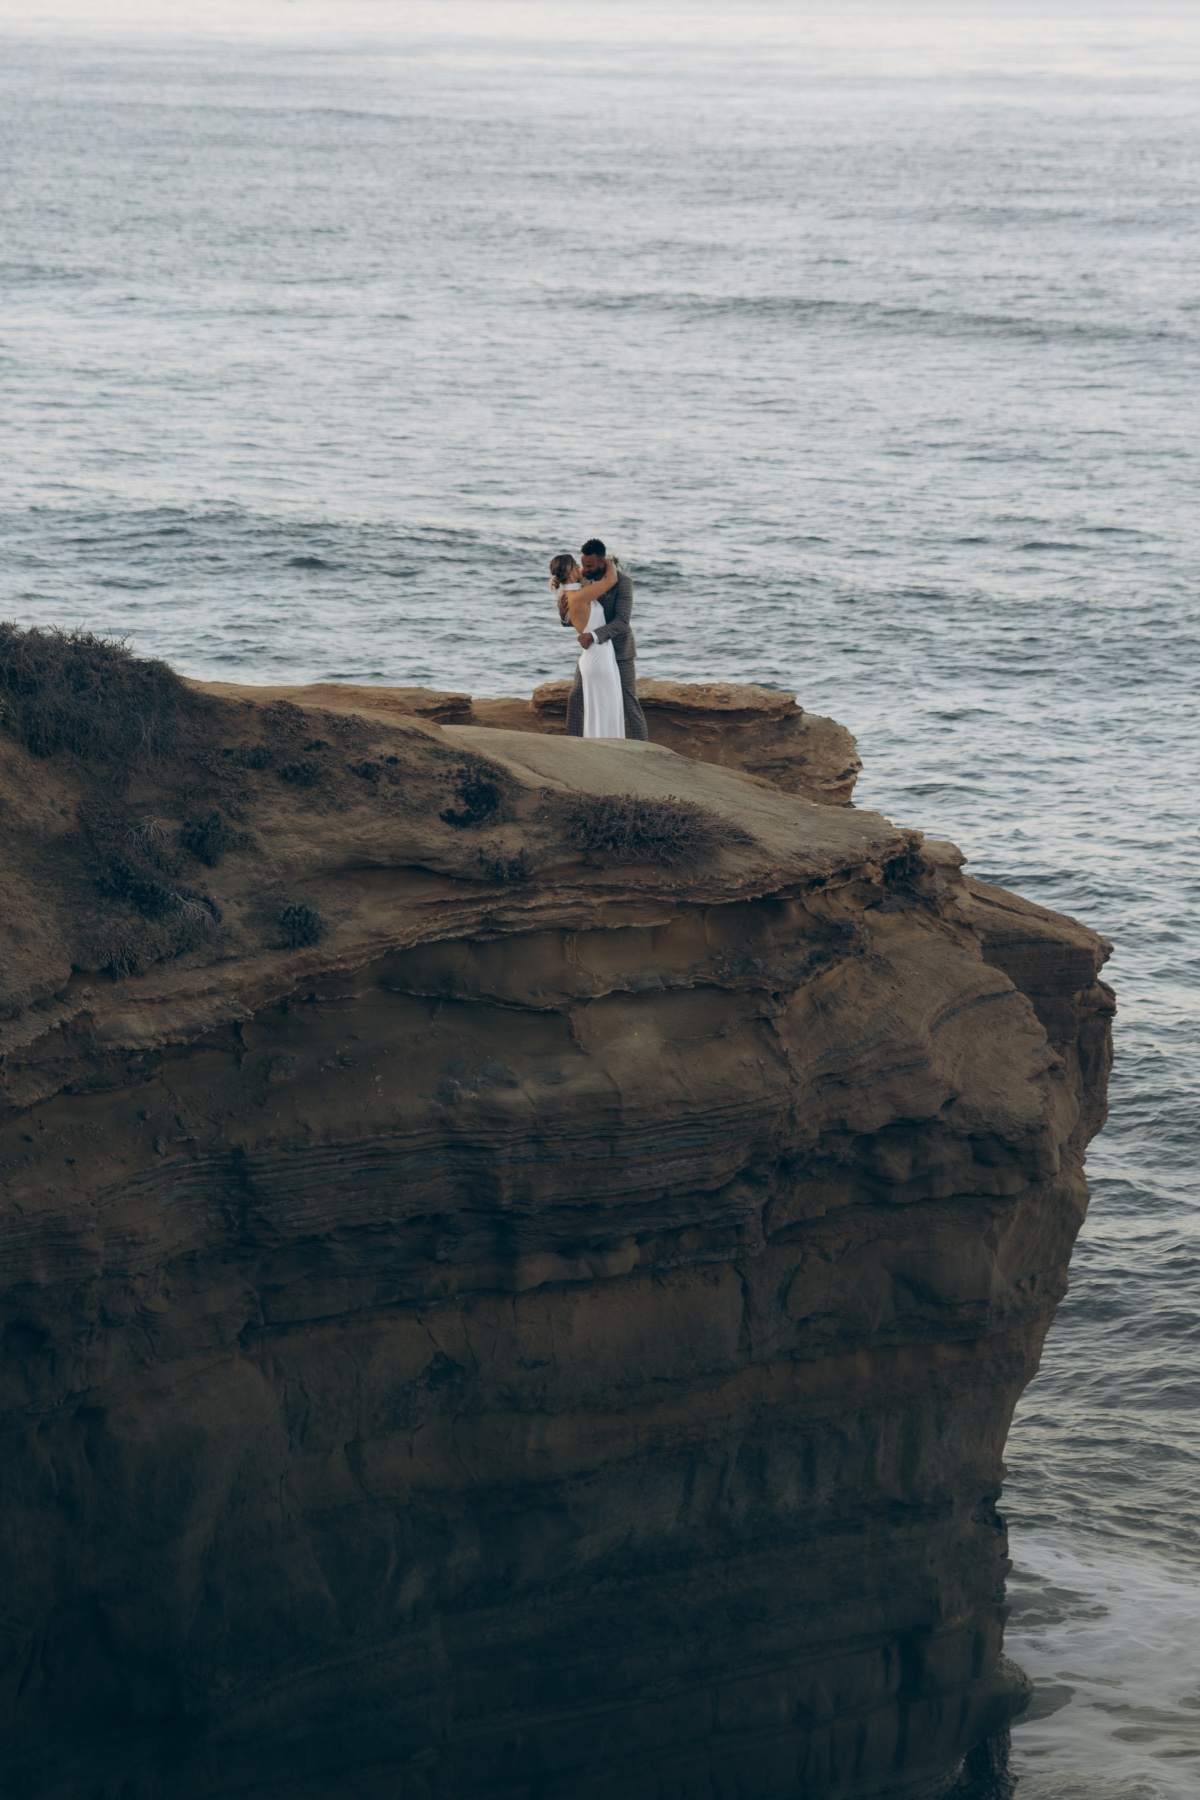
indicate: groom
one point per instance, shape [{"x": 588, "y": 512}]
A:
[{"x": 618, "y": 605}]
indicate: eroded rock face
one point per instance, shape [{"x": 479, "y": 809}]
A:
[{"x": 555, "y": 1334}]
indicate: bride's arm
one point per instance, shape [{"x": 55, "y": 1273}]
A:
[{"x": 595, "y": 589}]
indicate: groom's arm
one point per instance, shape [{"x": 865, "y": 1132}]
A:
[{"x": 617, "y": 630}]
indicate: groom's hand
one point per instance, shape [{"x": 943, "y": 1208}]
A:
[
  {"x": 586, "y": 639},
  {"x": 562, "y": 606}
]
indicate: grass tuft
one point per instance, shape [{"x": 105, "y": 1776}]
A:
[
  {"x": 496, "y": 867},
  {"x": 283, "y": 720},
  {"x": 255, "y": 756},
  {"x": 300, "y": 925},
  {"x": 120, "y": 880},
  {"x": 72, "y": 691},
  {"x": 302, "y": 773},
  {"x": 206, "y": 839},
  {"x": 479, "y": 798},
  {"x": 624, "y": 828}
]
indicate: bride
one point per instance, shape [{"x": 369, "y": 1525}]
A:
[{"x": 603, "y": 701}]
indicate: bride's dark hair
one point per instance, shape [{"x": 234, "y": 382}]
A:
[{"x": 560, "y": 568}]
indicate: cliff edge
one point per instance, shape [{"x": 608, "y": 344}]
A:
[{"x": 519, "y": 1255}]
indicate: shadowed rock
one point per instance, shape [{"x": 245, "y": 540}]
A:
[{"x": 551, "y": 1334}]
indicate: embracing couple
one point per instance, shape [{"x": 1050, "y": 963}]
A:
[{"x": 595, "y": 598}]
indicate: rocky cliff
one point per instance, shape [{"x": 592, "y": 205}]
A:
[{"x": 519, "y": 1255}]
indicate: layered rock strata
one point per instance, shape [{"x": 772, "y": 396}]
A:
[{"x": 553, "y": 1334}]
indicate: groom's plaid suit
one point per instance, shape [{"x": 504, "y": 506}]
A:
[{"x": 618, "y": 605}]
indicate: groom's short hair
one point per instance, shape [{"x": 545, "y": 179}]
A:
[{"x": 593, "y": 547}]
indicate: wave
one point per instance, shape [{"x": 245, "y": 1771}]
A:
[
  {"x": 1112, "y": 1645},
  {"x": 788, "y": 308}
]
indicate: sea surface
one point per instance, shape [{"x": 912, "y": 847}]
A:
[{"x": 869, "y": 336}]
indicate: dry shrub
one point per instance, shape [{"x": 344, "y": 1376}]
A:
[
  {"x": 147, "y": 838},
  {"x": 121, "y": 880},
  {"x": 142, "y": 891},
  {"x": 479, "y": 797},
  {"x": 206, "y": 839},
  {"x": 104, "y": 820},
  {"x": 196, "y": 911},
  {"x": 122, "y": 953},
  {"x": 124, "y": 947},
  {"x": 70, "y": 690},
  {"x": 283, "y": 720},
  {"x": 300, "y": 925},
  {"x": 495, "y": 866},
  {"x": 302, "y": 773},
  {"x": 151, "y": 917},
  {"x": 624, "y": 828},
  {"x": 254, "y": 756}
]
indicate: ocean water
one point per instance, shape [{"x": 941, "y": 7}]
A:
[{"x": 870, "y": 336}]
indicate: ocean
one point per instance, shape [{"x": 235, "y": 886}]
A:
[{"x": 869, "y": 336}]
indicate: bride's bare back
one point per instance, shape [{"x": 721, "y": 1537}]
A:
[{"x": 564, "y": 569}]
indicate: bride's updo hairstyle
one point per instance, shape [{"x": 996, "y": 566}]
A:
[{"x": 560, "y": 569}]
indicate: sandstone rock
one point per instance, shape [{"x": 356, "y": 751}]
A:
[
  {"x": 734, "y": 724},
  {"x": 554, "y": 1334},
  {"x": 739, "y": 726}
]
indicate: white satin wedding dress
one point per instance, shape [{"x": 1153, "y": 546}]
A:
[{"x": 603, "y": 701}]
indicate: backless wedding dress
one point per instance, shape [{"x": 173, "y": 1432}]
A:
[{"x": 603, "y": 701}]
